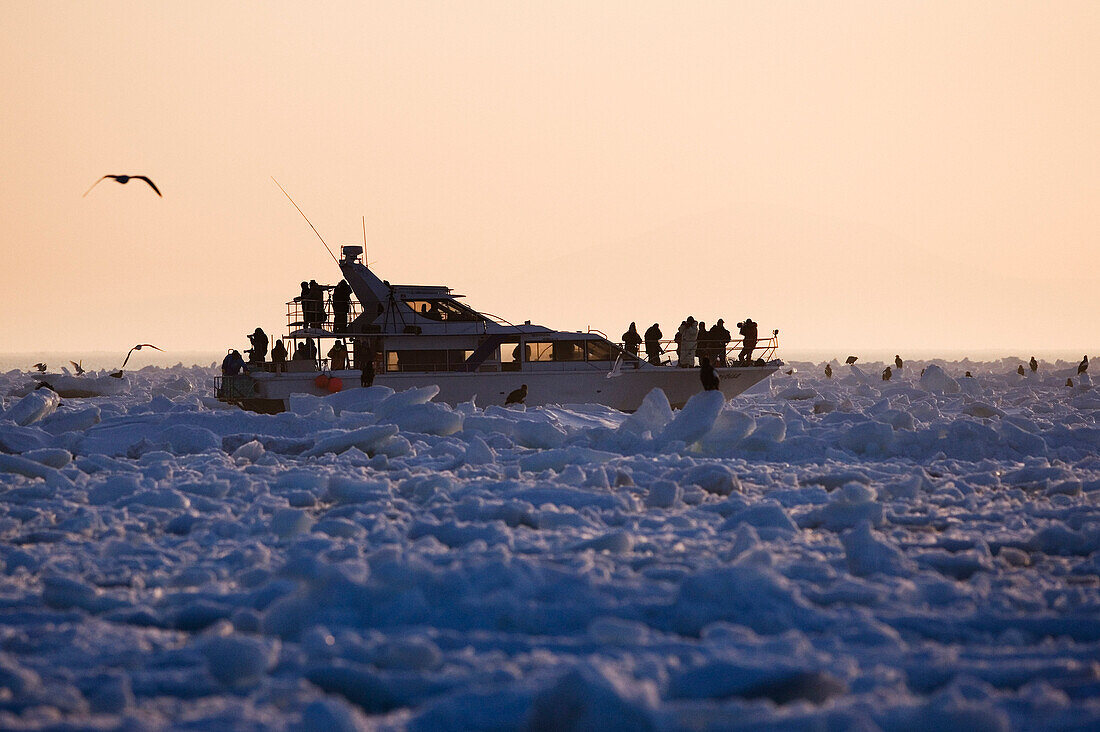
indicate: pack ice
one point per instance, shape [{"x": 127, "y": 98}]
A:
[{"x": 818, "y": 554}]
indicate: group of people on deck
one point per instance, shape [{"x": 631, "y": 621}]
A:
[
  {"x": 693, "y": 339},
  {"x": 312, "y": 300}
]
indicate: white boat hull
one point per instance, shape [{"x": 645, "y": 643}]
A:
[{"x": 624, "y": 391}]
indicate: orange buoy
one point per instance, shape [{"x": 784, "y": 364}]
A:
[
  {"x": 321, "y": 381},
  {"x": 335, "y": 384}
]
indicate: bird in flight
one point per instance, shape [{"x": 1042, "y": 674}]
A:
[
  {"x": 41, "y": 366},
  {"x": 124, "y": 179},
  {"x": 138, "y": 347},
  {"x": 78, "y": 367},
  {"x": 851, "y": 360}
]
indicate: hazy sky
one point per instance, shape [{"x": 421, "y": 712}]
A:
[{"x": 902, "y": 175}]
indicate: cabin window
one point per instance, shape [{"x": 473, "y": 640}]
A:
[
  {"x": 544, "y": 351},
  {"x": 539, "y": 351},
  {"x": 442, "y": 310},
  {"x": 568, "y": 350},
  {"x": 433, "y": 360},
  {"x": 598, "y": 350}
]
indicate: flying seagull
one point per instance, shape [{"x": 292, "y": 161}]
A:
[
  {"x": 138, "y": 347},
  {"x": 41, "y": 367},
  {"x": 78, "y": 367},
  {"x": 124, "y": 179},
  {"x": 851, "y": 360}
]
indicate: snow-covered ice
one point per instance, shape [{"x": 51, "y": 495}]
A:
[{"x": 922, "y": 553}]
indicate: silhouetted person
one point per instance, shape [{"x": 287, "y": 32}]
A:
[
  {"x": 341, "y": 304},
  {"x": 1084, "y": 365},
  {"x": 258, "y": 352},
  {"x": 898, "y": 362},
  {"x": 887, "y": 373},
  {"x": 306, "y": 352},
  {"x": 702, "y": 342},
  {"x": 679, "y": 340},
  {"x": 851, "y": 360},
  {"x": 748, "y": 332},
  {"x": 278, "y": 355},
  {"x": 517, "y": 396},
  {"x": 364, "y": 361},
  {"x": 338, "y": 356},
  {"x": 708, "y": 375},
  {"x": 1034, "y": 364},
  {"x": 316, "y": 304},
  {"x": 653, "y": 338},
  {"x": 303, "y": 299},
  {"x": 828, "y": 371},
  {"x": 688, "y": 340},
  {"x": 719, "y": 341},
  {"x": 631, "y": 339},
  {"x": 232, "y": 364},
  {"x": 1020, "y": 370},
  {"x": 124, "y": 179}
]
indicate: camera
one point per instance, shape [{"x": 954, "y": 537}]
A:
[{"x": 741, "y": 324}]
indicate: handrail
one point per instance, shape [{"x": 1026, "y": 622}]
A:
[{"x": 765, "y": 349}]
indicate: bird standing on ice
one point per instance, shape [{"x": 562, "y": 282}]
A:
[
  {"x": 898, "y": 362},
  {"x": 124, "y": 179},
  {"x": 1020, "y": 370},
  {"x": 1084, "y": 365},
  {"x": 828, "y": 371},
  {"x": 517, "y": 396},
  {"x": 1033, "y": 364},
  {"x": 887, "y": 373}
]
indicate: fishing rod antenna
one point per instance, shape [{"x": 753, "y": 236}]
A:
[{"x": 334, "y": 259}]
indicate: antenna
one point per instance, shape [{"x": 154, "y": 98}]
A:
[
  {"x": 364, "y": 239},
  {"x": 334, "y": 259}
]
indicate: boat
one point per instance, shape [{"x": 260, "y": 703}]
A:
[{"x": 408, "y": 336}]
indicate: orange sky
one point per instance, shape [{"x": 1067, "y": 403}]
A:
[{"x": 918, "y": 175}]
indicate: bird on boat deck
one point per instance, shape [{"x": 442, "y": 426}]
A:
[
  {"x": 898, "y": 362},
  {"x": 1084, "y": 365},
  {"x": 828, "y": 371},
  {"x": 851, "y": 360},
  {"x": 1033, "y": 364},
  {"x": 887, "y": 373},
  {"x": 78, "y": 367},
  {"x": 124, "y": 179},
  {"x": 41, "y": 367},
  {"x": 138, "y": 347},
  {"x": 1020, "y": 370},
  {"x": 517, "y": 396}
]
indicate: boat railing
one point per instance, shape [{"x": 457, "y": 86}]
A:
[
  {"x": 295, "y": 313},
  {"x": 764, "y": 350}
]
